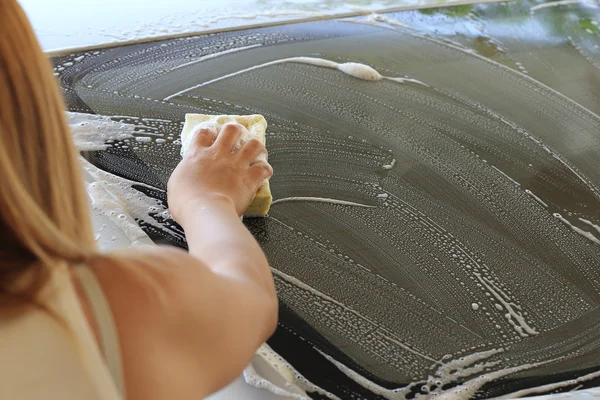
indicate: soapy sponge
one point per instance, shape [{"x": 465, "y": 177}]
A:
[{"x": 256, "y": 126}]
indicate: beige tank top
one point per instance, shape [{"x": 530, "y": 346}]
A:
[{"x": 47, "y": 356}]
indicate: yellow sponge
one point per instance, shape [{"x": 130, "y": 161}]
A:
[{"x": 257, "y": 128}]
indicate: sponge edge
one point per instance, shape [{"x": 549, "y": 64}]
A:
[{"x": 257, "y": 128}]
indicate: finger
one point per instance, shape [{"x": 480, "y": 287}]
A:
[
  {"x": 261, "y": 170},
  {"x": 203, "y": 138},
  {"x": 252, "y": 150},
  {"x": 228, "y": 137}
]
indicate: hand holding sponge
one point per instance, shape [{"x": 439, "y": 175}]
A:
[{"x": 256, "y": 126}]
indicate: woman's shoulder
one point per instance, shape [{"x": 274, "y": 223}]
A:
[
  {"x": 158, "y": 262},
  {"x": 150, "y": 271},
  {"x": 141, "y": 286},
  {"x": 145, "y": 254}
]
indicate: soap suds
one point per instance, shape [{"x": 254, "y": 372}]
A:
[
  {"x": 390, "y": 394},
  {"x": 215, "y": 55},
  {"x": 552, "y": 386},
  {"x": 331, "y": 300},
  {"x": 508, "y": 177},
  {"x": 322, "y": 200},
  {"x": 388, "y": 20},
  {"x": 514, "y": 316},
  {"x": 450, "y": 372},
  {"x": 529, "y": 192},
  {"x": 390, "y": 165},
  {"x": 114, "y": 196},
  {"x": 117, "y": 198},
  {"x": 91, "y": 132},
  {"x": 590, "y": 223},
  {"x": 357, "y": 70},
  {"x": 103, "y": 201},
  {"x": 580, "y": 231},
  {"x": 469, "y": 388},
  {"x": 293, "y": 377}
]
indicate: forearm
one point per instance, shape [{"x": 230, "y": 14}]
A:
[{"x": 217, "y": 237}]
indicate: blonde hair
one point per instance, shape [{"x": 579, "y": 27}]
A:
[{"x": 44, "y": 212}]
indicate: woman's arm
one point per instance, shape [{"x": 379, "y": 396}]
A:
[
  {"x": 185, "y": 331},
  {"x": 208, "y": 192},
  {"x": 217, "y": 237},
  {"x": 189, "y": 323}
]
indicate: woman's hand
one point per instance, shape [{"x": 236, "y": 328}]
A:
[{"x": 211, "y": 171}]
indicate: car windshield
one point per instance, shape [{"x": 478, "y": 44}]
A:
[{"x": 435, "y": 228}]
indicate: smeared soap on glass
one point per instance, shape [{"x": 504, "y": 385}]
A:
[
  {"x": 464, "y": 216},
  {"x": 91, "y": 132},
  {"x": 357, "y": 70}
]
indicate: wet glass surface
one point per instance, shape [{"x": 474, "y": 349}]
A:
[{"x": 467, "y": 260}]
